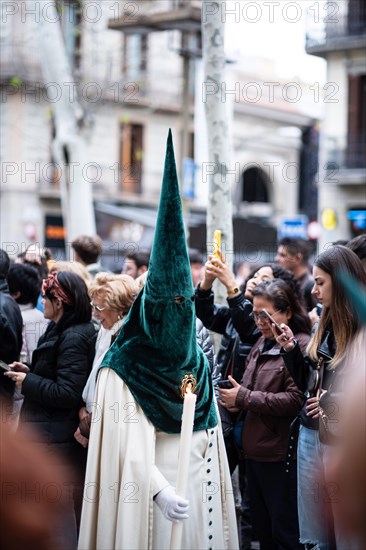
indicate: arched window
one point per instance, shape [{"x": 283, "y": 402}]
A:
[{"x": 254, "y": 185}]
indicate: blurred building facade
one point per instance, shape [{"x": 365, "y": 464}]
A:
[
  {"x": 131, "y": 80},
  {"x": 341, "y": 40}
]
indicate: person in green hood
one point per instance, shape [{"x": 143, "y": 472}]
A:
[{"x": 129, "y": 500}]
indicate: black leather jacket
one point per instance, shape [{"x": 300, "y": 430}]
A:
[
  {"x": 237, "y": 327},
  {"x": 304, "y": 372}
]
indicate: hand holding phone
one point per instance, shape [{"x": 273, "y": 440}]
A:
[
  {"x": 16, "y": 366},
  {"x": 217, "y": 243},
  {"x": 4, "y": 367},
  {"x": 278, "y": 327},
  {"x": 225, "y": 384}
]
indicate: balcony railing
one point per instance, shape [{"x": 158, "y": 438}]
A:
[
  {"x": 160, "y": 15},
  {"x": 356, "y": 152},
  {"x": 148, "y": 7},
  {"x": 353, "y": 157},
  {"x": 339, "y": 32}
]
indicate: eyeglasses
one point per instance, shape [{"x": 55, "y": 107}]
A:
[
  {"x": 97, "y": 308},
  {"x": 262, "y": 317}
]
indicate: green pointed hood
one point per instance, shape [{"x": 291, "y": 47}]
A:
[
  {"x": 356, "y": 294},
  {"x": 157, "y": 345},
  {"x": 169, "y": 268}
]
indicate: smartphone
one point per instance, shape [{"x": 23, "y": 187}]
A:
[
  {"x": 272, "y": 320},
  {"x": 4, "y": 366},
  {"x": 217, "y": 243},
  {"x": 224, "y": 384}
]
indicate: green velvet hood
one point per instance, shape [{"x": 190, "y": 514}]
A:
[
  {"x": 157, "y": 345},
  {"x": 356, "y": 294}
]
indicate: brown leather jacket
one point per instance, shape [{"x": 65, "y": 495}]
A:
[{"x": 271, "y": 400}]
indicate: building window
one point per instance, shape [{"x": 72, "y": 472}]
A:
[
  {"x": 356, "y": 137},
  {"x": 356, "y": 16},
  {"x": 70, "y": 17},
  {"x": 309, "y": 162},
  {"x": 135, "y": 55},
  {"x": 254, "y": 185},
  {"x": 191, "y": 145},
  {"x": 131, "y": 156},
  {"x": 52, "y": 176},
  {"x": 179, "y": 4}
]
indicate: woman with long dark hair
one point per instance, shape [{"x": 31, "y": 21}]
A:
[
  {"x": 270, "y": 400},
  {"x": 52, "y": 386},
  {"x": 316, "y": 374}
]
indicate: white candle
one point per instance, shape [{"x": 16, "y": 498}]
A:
[{"x": 185, "y": 445}]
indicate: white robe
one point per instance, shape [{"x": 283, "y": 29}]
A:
[
  {"x": 102, "y": 345},
  {"x": 129, "y": 462}
]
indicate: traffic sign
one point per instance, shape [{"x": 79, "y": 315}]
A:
[
  {"x": 295, "y": 227},
  {"x": 314, "y": 230}
]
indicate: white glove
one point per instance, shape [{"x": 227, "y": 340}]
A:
[{"x": 174, "y": 507}]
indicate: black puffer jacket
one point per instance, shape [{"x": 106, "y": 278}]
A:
[
  {"x": 205, "y": 343},
  {"x": 11, "y": 324},
  {"x": 52, "y": 390},
  {"x": 236, "y": 325}
]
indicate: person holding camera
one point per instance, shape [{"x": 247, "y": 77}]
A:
[{"x": 236, "y": 324}]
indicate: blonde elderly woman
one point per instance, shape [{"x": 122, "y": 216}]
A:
[{"x": 111, "y": 299}]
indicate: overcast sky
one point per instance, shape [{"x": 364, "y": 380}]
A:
[{"x": 276, "y": 32}]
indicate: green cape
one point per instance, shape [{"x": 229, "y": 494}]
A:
[{"x": 157, "y": 344}]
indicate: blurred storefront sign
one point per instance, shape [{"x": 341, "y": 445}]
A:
[
  {"x": 358, "y": 222},
  {"x": 329, "y": 219},
  {"x": 189, "y": 171},
  {"x": 54, "y": 232},
  {"x": 126, "y": 228},
  {"x": 295, "y": 227}
]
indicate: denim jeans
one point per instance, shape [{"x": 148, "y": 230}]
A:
[{"x": 311, "y": 491}]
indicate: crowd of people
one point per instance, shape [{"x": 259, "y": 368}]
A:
[
  {"x": 275, "y": 384},
  {"x": 90, "y": 360}
]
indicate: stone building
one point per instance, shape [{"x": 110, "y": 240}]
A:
[
  {"x": 131, "y": 87},
  {"x": 340, "y": 38}
]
